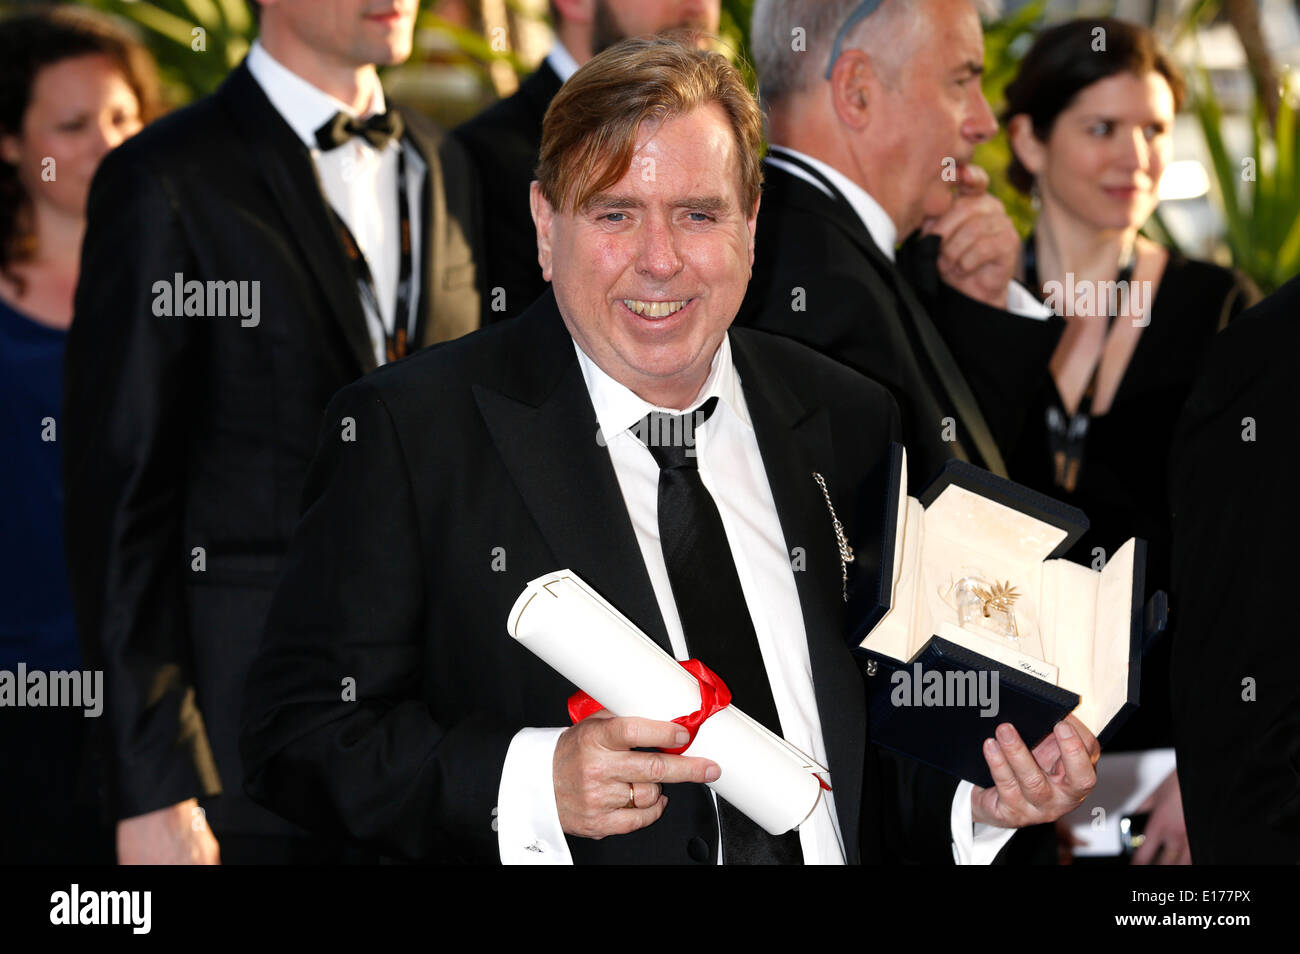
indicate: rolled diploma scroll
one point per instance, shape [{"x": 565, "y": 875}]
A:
[{"x": 595, "y": 647}]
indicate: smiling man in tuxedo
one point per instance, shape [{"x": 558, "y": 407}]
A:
[
  {"x": 189, "y": 432},
  {"x": 443, "y": 485}
]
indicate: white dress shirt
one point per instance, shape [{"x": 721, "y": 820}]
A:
[
  {"x": 357, "y": 180},
  {"x": 881, "y": 227},
  {"x": 731, "y": 468}
]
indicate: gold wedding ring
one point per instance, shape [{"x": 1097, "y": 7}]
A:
[{"x": 631, "y": 796}]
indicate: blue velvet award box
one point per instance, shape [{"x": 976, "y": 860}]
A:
[{"x": 963, "y": 616}]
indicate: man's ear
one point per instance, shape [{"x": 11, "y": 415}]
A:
[
  {"x": 853, "y": 88},
  {"x": 1031, "y": 152},
  {"x": 543, "y": 219}
]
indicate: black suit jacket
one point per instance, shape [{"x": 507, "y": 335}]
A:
[
  {"x": 820, "y": 278},
  {"x": 484, "y": 450},
  {"x": 1235, "y": 516},
  {"x": 185, "y": 433},
  {"x": 504, "y": 141}
]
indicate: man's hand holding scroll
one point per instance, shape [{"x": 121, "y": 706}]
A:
[{"x": 603, "y": 787}]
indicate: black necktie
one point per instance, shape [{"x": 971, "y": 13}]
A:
[
  {"x": 715, "y": 619},
  {"x": 378, "y": 130}
]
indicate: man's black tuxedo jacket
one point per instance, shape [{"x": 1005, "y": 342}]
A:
[
  {"x": 820, "y": 278},
  {"x": 1235, "y": 520},
  {"x": 468, "y": 470},
  {"x": 188, "y": 432},
  {"x": 504, "y": 141}
]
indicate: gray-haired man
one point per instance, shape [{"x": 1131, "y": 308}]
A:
[{"x": 875, "y": 110}]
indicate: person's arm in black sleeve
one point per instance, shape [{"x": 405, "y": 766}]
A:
[{"x": 128, "y": 375}]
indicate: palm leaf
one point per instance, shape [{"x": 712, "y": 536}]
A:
[
  {"x": 169, "y": 25},
  {"x": 236, "y": 16},
  {"x": 203, "y": 12},
  {"x": 1206, "y": 105}
]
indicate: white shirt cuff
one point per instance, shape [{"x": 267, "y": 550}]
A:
[
  {"x": 1021, "y": 301},
  {"x": 527, "y": 820},
  {"x": 974, "y": 844}
]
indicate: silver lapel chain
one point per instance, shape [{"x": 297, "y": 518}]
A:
[{"x": 846, "y": 551}]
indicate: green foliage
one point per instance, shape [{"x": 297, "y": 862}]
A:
[
  {"x": 192, "y": 63},
  {"x": 1258, "y": 194},
  {"x": 1197, "y": 13},
  {"x": 734, "y": 31},
  {"x": 471, "y": 45}
]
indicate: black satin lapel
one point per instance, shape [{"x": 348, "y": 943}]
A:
[
  {"x": 567, "y": 480},
  {"x": 795, "y": 442},
  {"x": 845, "y": 217},
  {"x": 837, "y": 209},
  {"x": 286, "y": 165}
]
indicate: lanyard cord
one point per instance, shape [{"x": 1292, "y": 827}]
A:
[{"x": 396, "y": 342}]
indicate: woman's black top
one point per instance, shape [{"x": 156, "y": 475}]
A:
[{"x": 1121, "y": 482}]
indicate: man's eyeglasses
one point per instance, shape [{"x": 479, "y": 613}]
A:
[{"x": 860, "y": 13}]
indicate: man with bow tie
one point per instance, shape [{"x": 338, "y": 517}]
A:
[
  {"x": 189, "y": 433},
  {"x": 554, "y": 441}
]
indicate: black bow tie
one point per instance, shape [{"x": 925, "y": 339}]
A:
[{"x": 378, "y": 130}]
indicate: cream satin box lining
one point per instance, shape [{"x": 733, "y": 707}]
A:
[{"x": 1083, "y": 617}]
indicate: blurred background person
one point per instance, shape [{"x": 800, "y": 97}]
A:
[
  {"x": 1236, "y": 699},
  {"x": 347, "y": 230},
  {"x": 1090, "y": 117},
  {"x": 73, "y": 85},
  {"x": 504, "y": 139}
]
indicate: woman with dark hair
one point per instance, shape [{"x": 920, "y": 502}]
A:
[
  {"x": 72, "y": 86},
  {"x": 1090, "y": 119}
]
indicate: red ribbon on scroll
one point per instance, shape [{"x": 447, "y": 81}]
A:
[{"x": 714, "y": 695}]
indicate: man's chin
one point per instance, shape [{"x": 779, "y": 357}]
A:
[
  {"x": 389, "y": 47},
  {"x": 395, "y": 55},
  {"x": 668, "y": 364},
  {"x": 938, "y": 200}
]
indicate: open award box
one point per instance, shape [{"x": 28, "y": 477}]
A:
[{"x": 970, "y": 619}]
